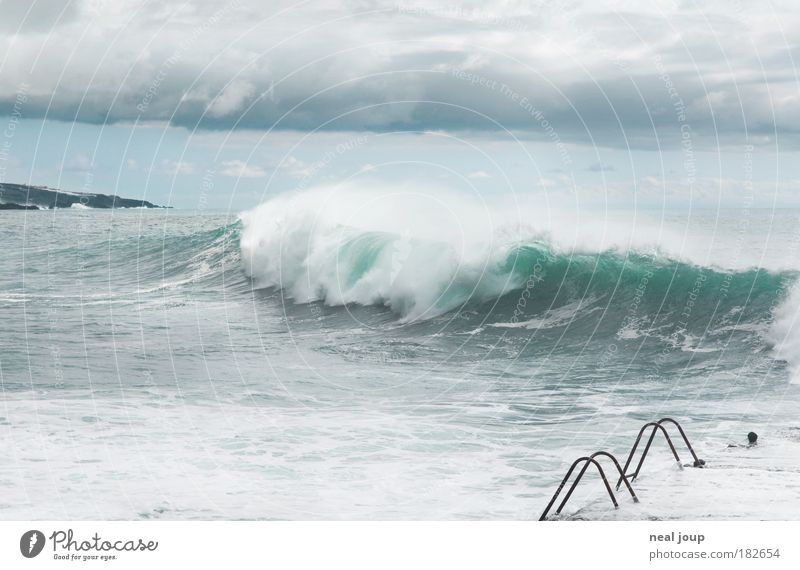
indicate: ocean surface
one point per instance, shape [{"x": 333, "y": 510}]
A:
[{"x": 341, "y": 356}]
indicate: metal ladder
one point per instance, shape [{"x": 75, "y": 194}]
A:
[{"x": 622, "y": 471}]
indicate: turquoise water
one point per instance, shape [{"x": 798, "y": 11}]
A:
[{"x": 292, "y": 364}]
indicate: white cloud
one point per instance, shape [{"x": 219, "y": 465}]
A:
[
  {"x": 232, "y": 99},
  {"x": 177, "y": 167},
  {"x": 296, "y": 168},
  {"x": 240, "y": 169},
  {"x": 478, "y": 174}
]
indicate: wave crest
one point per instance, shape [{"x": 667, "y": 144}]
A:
[{"x": 345, "y": 245}]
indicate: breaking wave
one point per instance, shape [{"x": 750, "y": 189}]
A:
[{"x": 423, "y": 254}]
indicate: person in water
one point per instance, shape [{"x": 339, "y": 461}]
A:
[{"x": 752, "y": 439}]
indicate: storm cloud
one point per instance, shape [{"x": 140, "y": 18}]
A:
[{"x": 618, "y": 74}]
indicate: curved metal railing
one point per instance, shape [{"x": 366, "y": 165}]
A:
[
  {"x": 590, "y": 460},
  {"x": 621, "y": 471},
  {"x": 657, "y": 426}
]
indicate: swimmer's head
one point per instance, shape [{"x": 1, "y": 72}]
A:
[{"x": 752, "y": 438}]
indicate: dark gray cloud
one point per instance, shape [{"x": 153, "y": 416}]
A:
[{"x": 639, "y": 76}]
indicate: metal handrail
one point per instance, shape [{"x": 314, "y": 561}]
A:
[
  {"x": 657, "y": 426},
  {"x": 697, "y": 461},
  {"x": 623, "y": 477},
  {"x": 586, "y": 462},
  {"x": 583, "y": 471}
]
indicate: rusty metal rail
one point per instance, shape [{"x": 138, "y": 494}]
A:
[
  {"x": 621, "y": 471},
  {"x": 590, "y": 460},
  {"x": 656, "y": 427}
]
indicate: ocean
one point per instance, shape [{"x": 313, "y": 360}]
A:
[{"x": 352, "y": 355}]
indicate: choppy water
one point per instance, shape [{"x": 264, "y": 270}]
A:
[{"x": 346, "y": 360}]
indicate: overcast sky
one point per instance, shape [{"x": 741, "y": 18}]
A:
[{"x": 219, "y": 104}]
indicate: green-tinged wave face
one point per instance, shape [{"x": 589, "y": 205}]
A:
[
  {"x": 515, "y": 289},
  {"x": 631, "y": 286},
  {"x": 517, "y": 286},
  {"x": 420, "y": 280}
]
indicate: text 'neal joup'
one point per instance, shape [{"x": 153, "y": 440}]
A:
[{"x": 677, "y": 538}]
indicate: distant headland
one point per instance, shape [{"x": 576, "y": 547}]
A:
[{"x": 24, "y": 197}]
